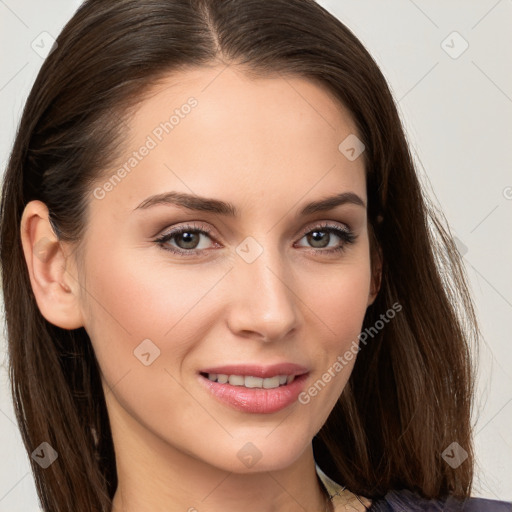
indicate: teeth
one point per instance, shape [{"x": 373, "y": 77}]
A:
[
  {"x": 270, "y": 383},
  {"x": 236, "y": 380},
  {"x": 249, "y": 381},
  {"x": 253, "y": 382}
]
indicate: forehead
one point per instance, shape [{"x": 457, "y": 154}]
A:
[{"x": 217, "y": 131}]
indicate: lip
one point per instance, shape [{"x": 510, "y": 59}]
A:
[
  {"x": 256, "y": 400},
  {"x": 257, "y": 370}
]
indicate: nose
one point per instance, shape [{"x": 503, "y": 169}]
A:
[{"x": 264, "y": 306}]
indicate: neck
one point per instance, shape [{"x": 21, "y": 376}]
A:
[{"x": 156, "y": 477}]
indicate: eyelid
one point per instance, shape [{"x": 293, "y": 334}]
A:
[
  {"x": 191, "y": 226},
  {"x": 319, "y": 224}
]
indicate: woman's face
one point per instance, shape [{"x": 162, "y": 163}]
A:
[{"x": 253, "y": 290}]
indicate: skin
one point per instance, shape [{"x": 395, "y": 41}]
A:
[{"x": 268, "y": 146}]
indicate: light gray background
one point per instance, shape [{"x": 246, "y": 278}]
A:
[{"x": 457, "y": 113}]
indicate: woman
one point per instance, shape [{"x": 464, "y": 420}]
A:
[{"x": 222, "y": 282}]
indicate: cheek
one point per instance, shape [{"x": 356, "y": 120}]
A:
[
  {"x": 142, "y": 321},
  {"x": 337, "y": 302},
  {"x": 141, "y": 295},
  {"x": 338, "y": 298},
  {"x": 129, "y": 301}
]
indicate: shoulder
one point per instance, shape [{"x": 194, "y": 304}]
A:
[
  {"x": 398, "y": 500},
  {"x": 405, "y": 499}
]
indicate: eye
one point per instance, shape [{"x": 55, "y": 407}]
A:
[
  {"x": 187, "y": 240},
  {"x": 320, "y": 238}
]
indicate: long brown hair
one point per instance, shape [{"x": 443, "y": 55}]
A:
[{"x": 410, "y": 393}]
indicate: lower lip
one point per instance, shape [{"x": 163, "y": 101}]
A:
[{"x": 256, "y": 400}]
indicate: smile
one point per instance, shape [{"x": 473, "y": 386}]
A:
[{"x": 255, "y": 389}]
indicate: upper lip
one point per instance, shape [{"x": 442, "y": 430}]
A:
[{"x": 257, "y": 370}]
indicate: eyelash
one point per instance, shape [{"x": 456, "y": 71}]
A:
[{"x": 347, "y": 237}]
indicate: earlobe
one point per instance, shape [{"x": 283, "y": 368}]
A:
[{"x": 54, "y": 286}]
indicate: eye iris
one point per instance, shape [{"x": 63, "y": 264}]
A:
[
  {"x": 189, "y": 241},
  {"x": 316, "y": 236}
]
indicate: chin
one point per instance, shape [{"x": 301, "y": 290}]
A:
[{"x": 257, "y": 451}]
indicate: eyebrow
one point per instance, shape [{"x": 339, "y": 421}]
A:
[{"x": 206, "y": 204}]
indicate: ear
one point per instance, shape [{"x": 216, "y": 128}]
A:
[
  {"x": 376, "y": 270},
  {"x": 54, "y": 285}
]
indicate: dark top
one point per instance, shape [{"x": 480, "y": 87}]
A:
[{"x": 405, "y": 500}]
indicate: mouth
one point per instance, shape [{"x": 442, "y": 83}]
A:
[{"x": 255, "y": 389}]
